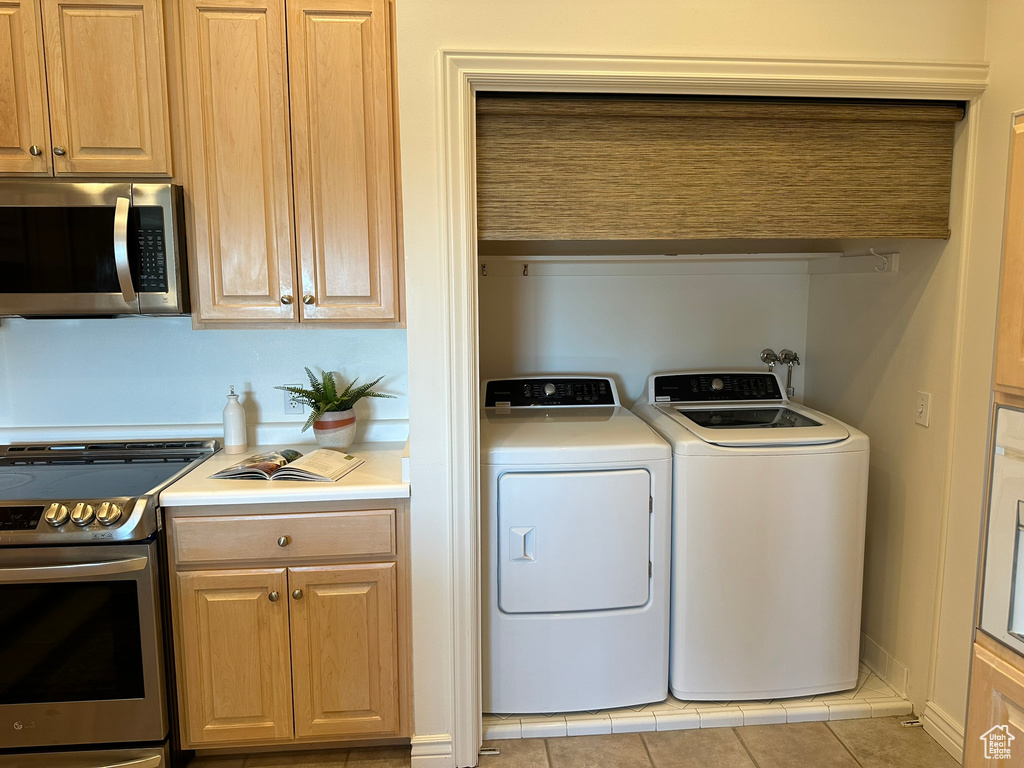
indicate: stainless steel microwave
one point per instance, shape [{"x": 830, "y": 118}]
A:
[{"x": 78, "y": 249}]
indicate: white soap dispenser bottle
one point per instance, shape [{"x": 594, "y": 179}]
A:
[{"x": 234, "y": 425}]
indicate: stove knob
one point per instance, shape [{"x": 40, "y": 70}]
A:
[
  {"x": 81, "y": 514},
  {"x": 108, "y": 513},
  {"x": 56, "y": 515},
  {"x": 549, "y": 389},
  {"x": 717, "y": 385}
]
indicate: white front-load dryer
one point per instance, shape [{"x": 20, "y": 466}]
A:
[
  {"x": 769, "y": 508},
  {"x": 575, "y": 528}
]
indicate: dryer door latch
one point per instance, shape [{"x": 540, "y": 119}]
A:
[{"x": 522, "y": 543}]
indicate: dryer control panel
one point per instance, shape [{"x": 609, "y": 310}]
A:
[
  {"x": 716, "y": 387},
  {"x": 551, "y": 391}
]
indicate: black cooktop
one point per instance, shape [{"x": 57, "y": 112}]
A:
[{"x": 95, "y": 492}]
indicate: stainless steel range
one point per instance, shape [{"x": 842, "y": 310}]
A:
[{"x": 82, "y": 659}]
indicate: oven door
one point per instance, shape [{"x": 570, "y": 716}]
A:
[
  {"x": 1002, "y": 597},
  {"x": 81, "y": 658}
]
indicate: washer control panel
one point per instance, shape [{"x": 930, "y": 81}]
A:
[
  {"x": 550, "y": 391},
  {"x": 716, "y": 387}
]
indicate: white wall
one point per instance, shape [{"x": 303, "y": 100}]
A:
[
  {"x": 1004, "y": 95},
  {"x": 630, "y": 326},
  {"x": 876, "y": 340},
  {"x": 82, "y": 374},
  {"x": 877, "y": 29}
]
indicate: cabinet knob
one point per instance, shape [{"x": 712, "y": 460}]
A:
[
  {"x": 286, "y": 299},
  {"x": 35, "y": 151},
  {"x": 284, "y": 541},
  {"x": 308, "y": 299},
  {"x": 273, "y": 597},
  {"x": 59, "y": 151},
  {"x": 297, "y": 594}
]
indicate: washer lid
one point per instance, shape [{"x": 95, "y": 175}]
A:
[{"x": 769, "y": 424}]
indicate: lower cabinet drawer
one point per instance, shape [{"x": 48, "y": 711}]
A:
[{"x": 369, "y": 533}]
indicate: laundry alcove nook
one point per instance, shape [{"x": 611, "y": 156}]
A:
[{"x": 464, "y": 75}]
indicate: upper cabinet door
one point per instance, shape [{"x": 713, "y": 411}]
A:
[
  {"x": 107, "y": 79},
  {"x": 344, "y": 171},
  {"x": 24, "y": 119},
  {"x": 1009, "y": 374},
  {"x": 236, "y": 99}
]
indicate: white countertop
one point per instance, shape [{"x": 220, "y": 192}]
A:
[{"x": 379, "y": 478}]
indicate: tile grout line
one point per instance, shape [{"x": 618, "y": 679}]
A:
[
  {"x": 746, "y": 748},
  {"x": 650, "y": 759},
  {"x": 840, "y": 740},
  {"x": 547, "y": 753}
]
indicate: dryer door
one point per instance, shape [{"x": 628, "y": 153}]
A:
[{"x": 573, "y": 541}]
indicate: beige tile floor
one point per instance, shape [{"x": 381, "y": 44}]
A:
[
  {"x": 861, "y": 732},
  {"x": 871, "y": 697},
  {"x": 866, "y": 743},
  {"x": 369, "y": 757}
]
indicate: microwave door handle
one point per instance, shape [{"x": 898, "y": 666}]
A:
[
  {"x": 72, "y": 570},
  {"x": 124, "y": 275}
]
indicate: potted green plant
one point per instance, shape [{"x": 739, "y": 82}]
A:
[{"x": 331, "y": 412}]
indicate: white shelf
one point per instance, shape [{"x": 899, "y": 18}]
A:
[{"x": 555, "y": 264}]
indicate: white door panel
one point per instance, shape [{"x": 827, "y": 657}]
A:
[{"x": 573, "y": 541}]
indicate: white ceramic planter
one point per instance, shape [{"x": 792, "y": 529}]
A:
[{"x": 335, "y": 429}]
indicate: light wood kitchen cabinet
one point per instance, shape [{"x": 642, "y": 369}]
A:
[
  {"x": 24, "y": 117},
  {"x": 291, "y": 137},
  {"x": 1009, "y": 369},
  {"x": 996, "y": 699},
  {"x": 343, "y": 629},
  {"x": 238, "y": 681},
  {"x": 83, "y": 88},
  {"x": 290, "y": 627}
]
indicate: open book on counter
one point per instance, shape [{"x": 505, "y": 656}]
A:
[{"x": 322, "y": 465}]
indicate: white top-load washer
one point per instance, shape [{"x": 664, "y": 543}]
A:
[
  {"x": 769, "y": 507},
  {"x": 575, "y": 524}
]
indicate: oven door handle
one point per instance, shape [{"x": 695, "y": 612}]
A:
[
  {"x": 124, "y": 275},
  {"x": 153, "y": 761},
  {"x": 73, "y": 571}
]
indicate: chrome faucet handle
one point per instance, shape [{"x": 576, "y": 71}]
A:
[
  {"x": 789, "y": 357},
  {"x": 768, "y": 356}
]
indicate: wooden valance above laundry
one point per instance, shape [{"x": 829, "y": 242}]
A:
[{"x": 586, "y": 167}]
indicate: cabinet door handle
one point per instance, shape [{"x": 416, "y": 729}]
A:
[
  {"x": 308, "y": 299},
  {"x": 273, "y": 597},
  {"x": 35, "y": 151},
  {"x": 59, "y": 151},
  {"x": 284, "y": 541},
  {"x": 297, "y": 594},
  {"x": 287, "y": 299}
]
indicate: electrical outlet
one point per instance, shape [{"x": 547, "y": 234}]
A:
[
  {"x": 923, "y": 409},
  {"x": 291, "y": 403}
]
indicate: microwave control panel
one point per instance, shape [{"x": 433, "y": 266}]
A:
[{"x": 152, "y": 251}]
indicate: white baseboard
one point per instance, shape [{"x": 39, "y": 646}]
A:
[
  {"x": 891, "y": 671},
  {"x": 433, "y": 751},
  {"x": 944, "y": 729}
]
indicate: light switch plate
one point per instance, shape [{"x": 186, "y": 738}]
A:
[{"x": 923, "y": 408}]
